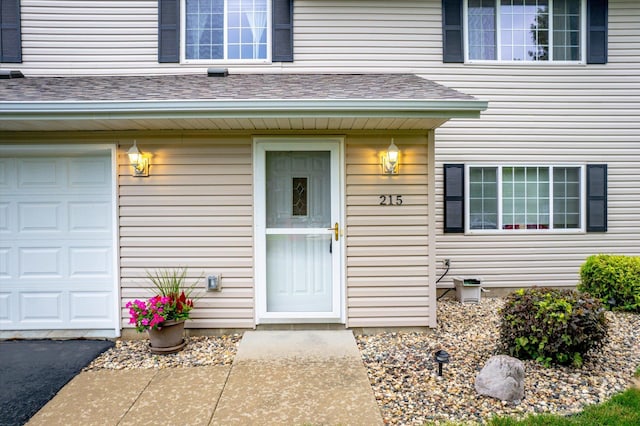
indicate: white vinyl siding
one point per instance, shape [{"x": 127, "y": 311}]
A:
[
  {"x": 387, "y": 246},
  {"x": 195, "y": 211}
]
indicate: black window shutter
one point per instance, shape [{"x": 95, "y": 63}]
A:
[
  {"x": 452, "y": 31},
  {"x": 596, "y": 198},
  {"x": 168, "y": 30},
  {"x": 282, "y": 31},
  {"x": 454, "y": 198},
  {"x": 10, "y": 34},
  {"x": 597, "y": 19}
]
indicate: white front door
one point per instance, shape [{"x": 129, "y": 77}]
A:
[{"x": 298, "y": 222}]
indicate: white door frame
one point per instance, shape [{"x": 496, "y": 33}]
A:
[{"x": 285, "y": 143}]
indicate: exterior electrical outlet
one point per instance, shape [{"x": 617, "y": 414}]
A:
[{"x": 213, "y": 283}]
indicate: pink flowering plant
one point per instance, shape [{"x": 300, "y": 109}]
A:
[{"x": 172, "y": 301}]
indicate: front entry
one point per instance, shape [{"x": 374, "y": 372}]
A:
[{"x": 298, "y": 222}]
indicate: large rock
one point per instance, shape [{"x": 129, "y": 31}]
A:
[{"x": 502, "y": 377}]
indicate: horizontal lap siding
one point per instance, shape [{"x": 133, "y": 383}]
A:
[
  {"x": 120, "y": 37},
  {"x": 89, "y": 37},
  {"x": 550, "y": 115},
  {"x": 194, "y": 210},
  {"x": 387, "y": 259}
]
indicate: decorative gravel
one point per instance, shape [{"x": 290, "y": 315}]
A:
[
  {"x": 199, "y": 351},
  {"x": 405, "y": 382}
]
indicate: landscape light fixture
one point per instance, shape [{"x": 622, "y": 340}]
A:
[{"x": 442, "y": 357}]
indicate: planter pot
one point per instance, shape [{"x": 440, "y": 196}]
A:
[{"x": 168, "y": 338}]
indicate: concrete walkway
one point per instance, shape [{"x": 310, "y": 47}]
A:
[{"x": 277, "y": 378}]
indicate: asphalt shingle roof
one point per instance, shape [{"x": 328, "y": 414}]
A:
[{"x": 231, "y": 87}]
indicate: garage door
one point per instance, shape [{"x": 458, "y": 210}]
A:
[{"x": 57, "y": 268}]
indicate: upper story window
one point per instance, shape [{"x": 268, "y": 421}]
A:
[
  {"x": 525, "y": 30},
  {"x": 226, "y": 30}
]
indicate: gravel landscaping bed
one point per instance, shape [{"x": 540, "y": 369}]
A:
[
  {"x": 404, "y": 376},
  {"x": 200, "y": 351}
]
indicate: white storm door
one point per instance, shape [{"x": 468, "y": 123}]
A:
[{"x": 298, "y": 219}]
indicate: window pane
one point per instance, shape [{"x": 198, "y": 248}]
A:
[
  {"x": 247, "y": 20},
  {"x": 566, "y": 30},
  {"x": 483, "y": 201},
  {"x": 524, "y": 25},
  {"x": 523, "y": 193},
  {"x": 203, "y": 19},
  {"x": 246, "y": 26},
  {"x": 566, "y": 197},
  {"x": 482, "y": 29}
]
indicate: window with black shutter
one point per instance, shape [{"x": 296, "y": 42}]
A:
[
  {"x": 217, "y": 30},
  {"x": 10, "y": 33},
  {"x": 517, "y": 32}
]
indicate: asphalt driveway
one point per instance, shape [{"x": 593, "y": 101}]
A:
[{"x": 33, "y": 371}]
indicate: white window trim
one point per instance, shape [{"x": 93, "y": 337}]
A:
[
  {"x": 183, "y": 41},
  {"x": 583, "y": 201},
  {"x": 583, "y": 41}
]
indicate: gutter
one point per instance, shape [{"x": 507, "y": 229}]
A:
[{"x": 149, "y": 109}]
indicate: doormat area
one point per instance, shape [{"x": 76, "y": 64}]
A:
[{"x": 33, "y": 371}]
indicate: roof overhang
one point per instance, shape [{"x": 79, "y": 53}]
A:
[{"x": 278, "y": 112}]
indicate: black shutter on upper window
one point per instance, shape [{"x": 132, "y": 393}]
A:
[
  {"x": 10, "y": 34},
  {"x": 168, "y": 30},
  {"x": 597, "y": 33},
  {"x": 596, "y": 198},
  {"x": 452, "y": 24},
  {"x": 282, "y": 31},
  {"x": 454, "y": 198}
]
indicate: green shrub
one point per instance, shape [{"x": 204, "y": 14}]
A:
[
  {"x": 552, "y": 326},
  {"x": 614, "y": 279}
]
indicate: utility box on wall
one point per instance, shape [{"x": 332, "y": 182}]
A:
[
  {"x": 467, "y": 289},
  {"x": 213, "y": 283}
]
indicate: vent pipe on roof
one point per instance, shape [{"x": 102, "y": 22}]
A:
[
  {"x": 217, "y": 72},
  {"x": 11, "y": 74}
]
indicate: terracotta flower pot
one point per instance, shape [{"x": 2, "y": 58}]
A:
[{"x": 168, "y": 338}]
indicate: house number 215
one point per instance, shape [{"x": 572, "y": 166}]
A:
[{"x": 391, "y": 200}]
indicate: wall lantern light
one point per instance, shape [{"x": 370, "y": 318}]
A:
[
  {"x": 138, "y": 161},
  {"x": 441, "y": 357},
  {"x": 390, "y": 160}
]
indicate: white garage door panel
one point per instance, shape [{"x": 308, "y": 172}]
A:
[
  {"x": 89, "y": 216},
  {"x": 5, "y": 306},
  {"x": 40, "y": 306},
  {"x": 57, "y": 242},
  {"x": 39, "y": 262},
  {"x": 5, "y": 262},
  {"x": 88, "y": 306},
  {"x": 92, "y": 262},
  {"x": 39, "y": 217}
]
